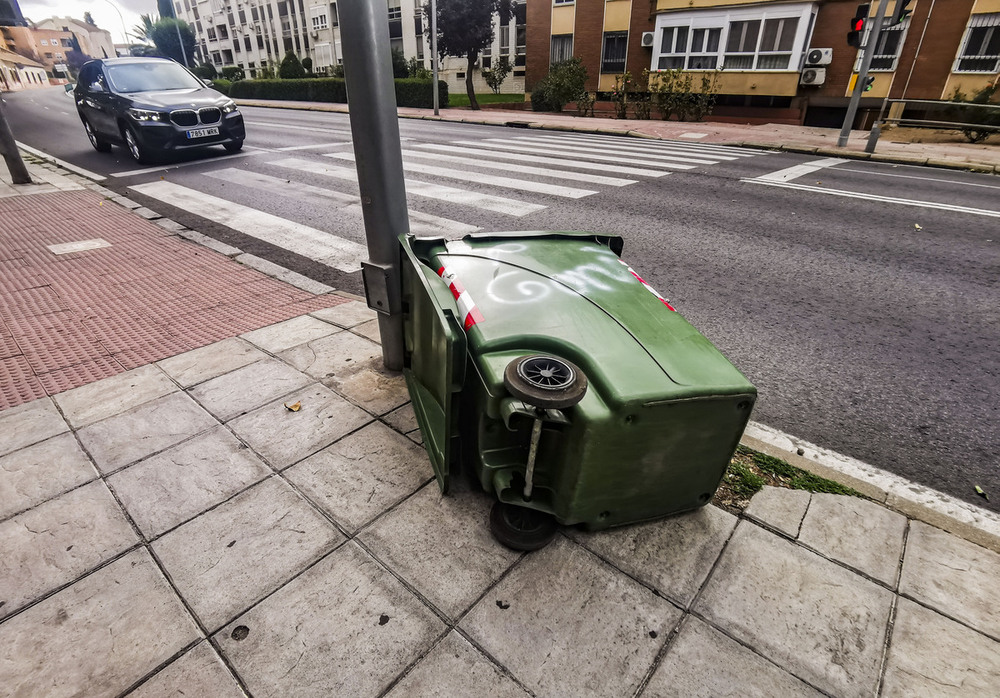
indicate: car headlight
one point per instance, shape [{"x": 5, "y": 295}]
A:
[
  {"x": 146, "y": 115},
  {"x": 229, "y": 107}
]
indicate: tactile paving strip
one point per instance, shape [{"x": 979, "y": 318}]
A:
[{"x": 68, "y": 320}]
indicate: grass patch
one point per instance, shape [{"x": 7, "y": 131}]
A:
[
  {"x": 749, "y": 471},
  {"x": 460, "y": 99}
]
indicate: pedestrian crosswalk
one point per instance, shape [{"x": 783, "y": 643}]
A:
[{"x": 469, "y": 180}]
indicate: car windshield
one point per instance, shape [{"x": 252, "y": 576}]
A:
[{"x": 145, "y": 77}]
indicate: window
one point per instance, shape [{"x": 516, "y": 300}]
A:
[
  {"x": 504, "y": 40},
  {"x": 741, "y": 45},
  {"x": 562, "y": 48},
  {"x": 318, "y": 18},
  {"x": 981, "y": 48},
  {"x": 890, "y": 39},
  {"x": 395, "y": 11},
  {"x": 775, "y": 51},
  {"x": 673, "y": 48},
  {"x": 613, "y": 56},
  {"x": 210, "y": 32},
  {"x": 324, "y": 55},
  {"x": 45, "y": 42},
  {"x": 704, "y": 49},
  {"x": 562, "y": 2}
]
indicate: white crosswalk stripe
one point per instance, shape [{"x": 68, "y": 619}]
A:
[
  {"x": 323, "y": 247},
  {"x": 568, "y": 152},
  {"x": 539, "y": 160},
  {"x": 630, "y": 150},
  {"x": 497, "y": 204},
  {"x": 523, "y": 169},
  {"x": 466, "y": 175},
  {"x": 645, "y": 148},
  {"x": 420, "y": 223},
  {"x": 705, "y": 148}
]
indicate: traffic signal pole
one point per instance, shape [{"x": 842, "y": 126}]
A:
[
  {"x": 371, "y": 99},
  {"x": 859, "y": 85},
  {"x": 11, "y": 155}
]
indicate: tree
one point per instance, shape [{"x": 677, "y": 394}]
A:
[
  {"x": 75, "y": 60},
  {"x": 291, "y": 68},
  {"x": 307, "y": 65},
  {"x": 399, "y": 67},
  {"x": 495, "y": 77},
  {"x": 88, "y": 18},
  {"x": 563, "y": 84},
  {"x": 144, "y": 31},
  {"x": 165, "y": 34},
  {"x": 465, "y": 28}
]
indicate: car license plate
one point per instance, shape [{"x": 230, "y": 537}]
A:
[{"x": 202, "y": 132}]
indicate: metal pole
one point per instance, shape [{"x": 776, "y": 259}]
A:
[
  {"x": 379, "y": 160},
  {"x": 180, "y": 41},
  {"x": 124, "y": 30},
  {"x": 11, "y": 155},
  {"x": 866, "y": 61},
  {"x": 434, "y": 52}
]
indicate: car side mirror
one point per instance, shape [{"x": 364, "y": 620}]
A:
[
  {"x": 96, "y": 87},
  {"x": 208, "y": 83}
]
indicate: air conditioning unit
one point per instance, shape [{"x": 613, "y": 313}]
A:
[
  {"x": 647, "y": 39},
  {"x": 819, "y": 56},
  {"x": 813, "y": 76},
  {"x": 314, "y": 34}
]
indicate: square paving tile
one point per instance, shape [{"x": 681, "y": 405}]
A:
[
  {"x": 290, "y": 333},
  {"x": 284, "y": 437},
  {"x": 701, "y": 661},
  {"x": 371, "y": 387},
  {"x": 28, "y": 424},
  {"x": 431, "y": 538},
  {"x": 565, "y": 623},
  {"x": 362, "y": 475},
  {"x": 97, "y": 637},
  {"x": 346, "y": 314},
  {"x": 810, "y": 616},
  {"x": 58, "y": 541},
  {"x": 199, "y": 672},
  {"x": 345, "y": 627},
  {"x": 211, "y": 361},
  {"x": 37, "y": 473},
  {"x": 246, "y": 388},
  {"x": 931, "y": 655},
  {"x": 955, "y": 576},
  {"x": 151, "y": 427},
  {"x": 171, "y": 487},
  {"x": 234, "y": 555},
  {"x": 456, "y": 668},
  {"x": 780, "y": 508},
  {"x": 859, "y": 533},
  {"x": 370, "y": 330},
  {"x": 110, "y": 396},
  {"x": 674, "y": 556}
]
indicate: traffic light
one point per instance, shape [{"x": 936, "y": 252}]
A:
[
  {"x": 858, "y": 25},
  {"x": 869, "y": 81},
  {"x": 901, "y": 12}
]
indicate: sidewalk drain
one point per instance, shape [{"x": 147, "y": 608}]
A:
[{"x": 67, "y": 247}]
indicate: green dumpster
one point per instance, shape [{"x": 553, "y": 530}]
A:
[{"x": 545, "y": 366}]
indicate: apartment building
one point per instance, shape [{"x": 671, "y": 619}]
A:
[
  {"x": 45, "y": 46},
  {"x": 779, "y": 60},
  {"x": 254, "y": 33},
  {"x": 93, "y": 41},
  {"x": 19, "y": 73}
]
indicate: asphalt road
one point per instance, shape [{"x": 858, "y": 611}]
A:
[{"x": 861, "y": 298}]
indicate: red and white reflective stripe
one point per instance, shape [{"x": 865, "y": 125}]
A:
[
  {"x": 648, "y": 287},
  {"x": 467, "y": 306}
]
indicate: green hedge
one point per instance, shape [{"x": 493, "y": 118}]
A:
[
  {"x": 409, "y": 92},
  {"x": 222, "y": 85}
]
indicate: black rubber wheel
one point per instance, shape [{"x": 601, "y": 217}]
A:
[
  {"x": 100, "y": 145},
  {"x": 520, "y": 528},
  {"x": 136, "y": 149},
  {"x": 546, "y": 382},
  {"x": 233, "y": 147}
]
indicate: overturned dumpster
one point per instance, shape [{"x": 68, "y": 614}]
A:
[{"x": 542, "y": 364}]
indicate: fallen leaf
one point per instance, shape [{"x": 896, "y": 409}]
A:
[
  {"x": 981, "y": 493},
  {"x": 293, "y": 408},
  {"x": 918, "y": 226}
]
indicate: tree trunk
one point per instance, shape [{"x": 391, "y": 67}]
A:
[
  {"x": 469, "y": 89},
  {"x": 15, "y": 165}
]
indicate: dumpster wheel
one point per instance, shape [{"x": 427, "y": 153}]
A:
[
  {"x": 546, "y": 382},
  {"x": 520, "y": 528}
]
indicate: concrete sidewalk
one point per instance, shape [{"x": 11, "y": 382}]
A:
[
  {"x": 175, "y": 528},
  {"x": 978, "y": 157}
]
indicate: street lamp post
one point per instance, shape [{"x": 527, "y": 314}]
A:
[{"x": 124, "y": 30}]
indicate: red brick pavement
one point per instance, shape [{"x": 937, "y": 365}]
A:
[{"x": 67, "y": 320}]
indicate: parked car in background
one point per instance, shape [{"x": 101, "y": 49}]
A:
[{"x": 153, "y": 106}]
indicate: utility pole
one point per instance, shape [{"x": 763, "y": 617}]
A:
[
  {"x": 375, "y": 129},
  {"x": 859, "y": 85},
  {"x": 11, "y": 155},
  {"x": 434, "y": 53}
]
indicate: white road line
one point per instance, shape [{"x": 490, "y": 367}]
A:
[
  {"x": 420, "y": 223},
  {"x": 641, "y": 146},
  {"x": 874, "y": 197},
  {"x": 497, "y": 204},
  {"x": 93, "y": 176},
  {"x": 480, "y": 178},
  {"x": 178, "y": 165},
  {"x": 738, "y": 151},
  {"x": 790, "y": 173},
  {"x": 559, "y": 162},
  {"x": 582, "y": 145},
  {"x": 271, "y": 126},
  {"x": 524, "y": 169},
  {"x": 309, "y": 242},
  {"x": 311, "y": 147},
  {"x": 879, "y": 173},
  {"x": 506, "y": 145}
]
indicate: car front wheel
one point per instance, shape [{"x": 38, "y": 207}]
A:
[
  {"x": 233, "y": 146},
  {"x": 100, "y": 145},
  {"x": 135, "y": 148}
]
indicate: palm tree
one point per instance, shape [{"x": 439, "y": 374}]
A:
[{"x": 144, "y": 31}]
